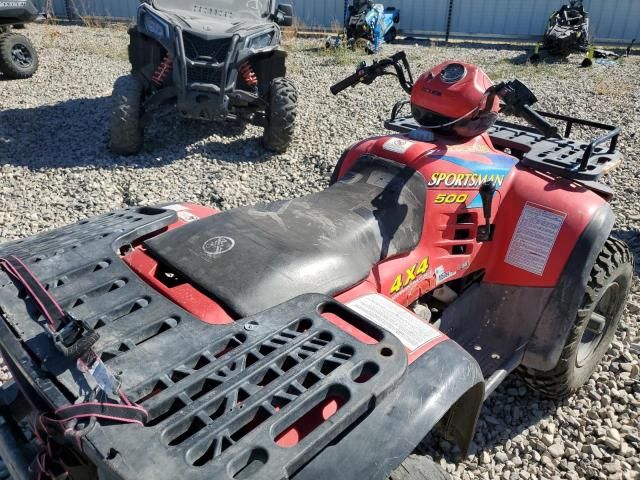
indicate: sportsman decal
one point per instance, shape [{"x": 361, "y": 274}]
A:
[
  {"x": 484, "y": 167},
  {"x": 463, "y": 180},
  {"x": 411, "y": 274}
]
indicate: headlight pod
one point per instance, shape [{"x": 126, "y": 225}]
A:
[
  {"x": 155, "y": 26},
  {"x": 260, "y": 41}
]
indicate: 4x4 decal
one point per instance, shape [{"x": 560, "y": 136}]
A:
[{"x": 411, "y": 274}]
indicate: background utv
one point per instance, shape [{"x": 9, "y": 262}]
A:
[
  {"x": 217, "y": 60},
  {"x": 18, "y": 58}
]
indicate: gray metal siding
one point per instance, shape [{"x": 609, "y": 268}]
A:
[
  {"x": 612, "y": 20},
  {"x": 119, "y": 9}
]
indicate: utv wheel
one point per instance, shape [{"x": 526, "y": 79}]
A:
[
  {"x": 595, "y": 324},
  {"x": 126, "y": 122},
  {"x": 18, "y": 58},
  {"x": 280, "y": 115}
]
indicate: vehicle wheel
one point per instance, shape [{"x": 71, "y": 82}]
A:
[
  {"x": 281, "y": 115},
  {"x": 126, "y": 123},
  {"x": 18, "y": 58},
  {"x": 595, "y": 324}
]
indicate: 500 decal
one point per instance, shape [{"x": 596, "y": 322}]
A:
[
  {"x": 443, "y": 198},
  {"x": 463, "y": 180},
  {"x": 410, "y": 274}
]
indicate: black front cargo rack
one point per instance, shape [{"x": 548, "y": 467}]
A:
[{"x": 573, "y": 159}]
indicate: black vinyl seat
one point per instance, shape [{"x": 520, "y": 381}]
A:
[{"x": 252, "y": 258}]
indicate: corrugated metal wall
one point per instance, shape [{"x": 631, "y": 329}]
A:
[
  {"x": 120, "y": 9},
  {"x": 612, "y": 20}
]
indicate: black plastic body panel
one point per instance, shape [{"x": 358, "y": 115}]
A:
[
  {"x": 245, "y": 259},
  {"x": 504, "y": 319},
  {"x": 218, "y": 396}
]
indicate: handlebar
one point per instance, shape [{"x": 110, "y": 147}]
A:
[
  {"x": 516, "y": 97},
  {"x": 517, "y": 100},
  {"x": 368, "y": 73},
  {"x": 350, "y": 81}
]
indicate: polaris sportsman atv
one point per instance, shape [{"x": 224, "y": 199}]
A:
[
  {"x": 18, "y": 57},
  {"x": 368, "y": 24},
  {"x": 280, "y": 341},
  {"x": 213, "y": 59}
]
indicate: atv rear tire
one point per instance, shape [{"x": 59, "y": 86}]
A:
[
  {"x": 595, "y": 324},
  {"x": 18, "y": 58},
  {"x": 127, "y": 133},
  {"x": 280, "y": 115}
]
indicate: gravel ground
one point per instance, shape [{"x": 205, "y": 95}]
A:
[{"x": 55, "y": 169}]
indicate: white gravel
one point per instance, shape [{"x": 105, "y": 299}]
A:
[{"x": 55, "y": 169}]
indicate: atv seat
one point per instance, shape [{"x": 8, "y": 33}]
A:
[{"x": 252, "y": 258}]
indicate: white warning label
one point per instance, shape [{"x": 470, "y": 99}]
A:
[
  {"x": 398, "y": 145},
  {"x": 176, "y": 207},
  {"x": 534, "y": 238},
  {"x": 407, "y": 327}
]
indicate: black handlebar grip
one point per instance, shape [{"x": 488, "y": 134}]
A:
[{"x": 346, "y": 83}]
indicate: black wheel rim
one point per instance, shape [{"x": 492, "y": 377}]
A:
[
  {"x": 600, "y": 320},
  {"x": 21, "y": 55}
]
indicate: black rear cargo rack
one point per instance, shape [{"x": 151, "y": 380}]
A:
[
  {"x": 240, "y": 400},
  {"x": 573, "y": 159}
]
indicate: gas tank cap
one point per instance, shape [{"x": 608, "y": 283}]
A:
[{"x": 422, "y": 135}]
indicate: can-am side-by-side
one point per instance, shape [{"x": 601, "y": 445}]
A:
[
  {"x": 209, "y": 60},
  {"x": 322, "y": 336}
]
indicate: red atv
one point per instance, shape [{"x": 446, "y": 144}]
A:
[{"x": 281, "y": 340}]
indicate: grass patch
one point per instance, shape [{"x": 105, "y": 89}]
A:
[{"x": 340, "y": 56}]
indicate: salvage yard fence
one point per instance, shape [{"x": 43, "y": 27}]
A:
[{"x": 613, "y": 21}]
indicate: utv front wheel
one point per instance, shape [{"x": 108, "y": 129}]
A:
[
  {"x": 126, "y": 116},
  {"x": 595, "y": 324},
  {"x": 18, "y": 58},
  {"x": 280, "y": 115}
]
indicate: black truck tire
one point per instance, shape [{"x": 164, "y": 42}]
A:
[
  {"x": 595, "y": 324},
  {"x": 280, "y": 115},
  {"x": 18, "y": 58},
  {"x": 127, "y": 133}
]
